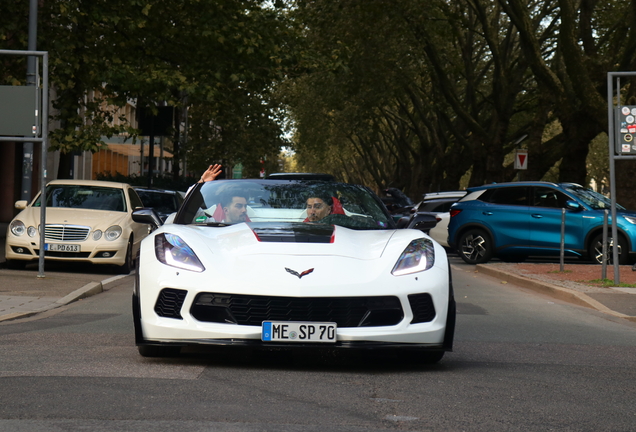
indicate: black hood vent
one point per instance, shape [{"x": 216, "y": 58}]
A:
[{"x": 294, "y": 233}]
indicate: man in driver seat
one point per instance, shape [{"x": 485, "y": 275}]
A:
[{"x": 318, "y": 208}]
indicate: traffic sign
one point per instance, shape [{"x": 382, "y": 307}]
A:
[{"x": 521, "y": 159}]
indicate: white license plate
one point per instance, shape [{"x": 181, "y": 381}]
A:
[
  {"x": 286, "y": 331},
  {"x": 54, "y": 247}
]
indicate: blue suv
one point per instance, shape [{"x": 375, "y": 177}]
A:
[{"x": 515, "y": 220}]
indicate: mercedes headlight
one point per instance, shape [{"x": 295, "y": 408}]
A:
[
  {"x": 113, "y": 233},
  {"x": 171, "y": 250},
  {"x": 418, "y": 256},
  {"x": 17, "y": 228}
]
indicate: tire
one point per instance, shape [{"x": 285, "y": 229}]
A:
[
  {"x": 129, "y": 262},
  {"x": 424, "y": 357},
  {"x": 596, "y": 250},
  {"x": 158, "y": 351},
  {"x": 475, "y": 247}
]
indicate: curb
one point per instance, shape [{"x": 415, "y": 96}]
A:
[
  {"x": 560, "y": 293},
  {"x": 86, "y": 291}
]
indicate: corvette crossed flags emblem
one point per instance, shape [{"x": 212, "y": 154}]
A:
[{"x": 300, "y": 275}]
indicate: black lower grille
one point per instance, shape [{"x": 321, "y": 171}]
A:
[
  {"x": 169, "y": 303},
  {"x": 253, "y": 310},
  {"x": 422, "y": 307}
]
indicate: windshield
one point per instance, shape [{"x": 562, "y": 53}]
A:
[
  {"x": 84, "y": 197},
  {"x": 161, "y": 201},
  {"x": 593, "y": 199},
  {"x": 225, "y": 202}
]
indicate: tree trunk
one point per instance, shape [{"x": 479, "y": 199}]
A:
[{"x": 65, "y": 169}]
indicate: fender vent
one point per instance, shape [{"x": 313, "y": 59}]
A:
[
  {"x": 169, "y": 303},
  {"x": 422, "y": 307}
]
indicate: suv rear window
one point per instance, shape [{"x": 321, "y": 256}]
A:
[{"x": 506, "y": 196}]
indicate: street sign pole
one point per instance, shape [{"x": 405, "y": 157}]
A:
[
  {"x": 615, "y": 138},
  {"x": 41, "y": 129}
]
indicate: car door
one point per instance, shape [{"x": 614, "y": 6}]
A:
[
  {"x": 545, "y": 221},
  {"x": 506, "y": 212}
]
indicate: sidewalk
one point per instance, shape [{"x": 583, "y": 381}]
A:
[
  {"x": 23, "y": 293},
  {"x": 575, "y": 285}
]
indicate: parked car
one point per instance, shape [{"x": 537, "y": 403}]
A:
[
  {"x": 165, "y": 202},
  {"x": 439, "y": 204},
  {"x": 86, "y": 222},
  {"x": 350, "y": 280},
  {"x": 516, "y": 220},
  {"x": 405, "y": 213}
]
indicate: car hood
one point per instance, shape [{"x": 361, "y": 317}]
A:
[
  {"x": 292, "y": 239},
  {"x": 97, "y": 219},
  {"x": 240, "y": 259}
]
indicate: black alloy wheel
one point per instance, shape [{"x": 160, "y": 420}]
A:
[
  {"x": 596, "y": 250},
  {"x": 475, "y": 247}
]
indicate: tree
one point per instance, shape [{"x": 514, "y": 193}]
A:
[
  {"x": 421, "y": 91},
  {"x": 205, "y": 54}
]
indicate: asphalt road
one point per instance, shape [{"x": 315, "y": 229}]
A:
[{"x": 521, "y": 362}]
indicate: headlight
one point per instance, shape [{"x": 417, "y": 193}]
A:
[
  {"x": 97, "y": 234},
  {"x": 418, "y": 256},
  {"x": 171, "y": 250},
  {"x": 630, "y": 219},
  {"x": 112, "y": 233},
  {"x": 17, "y": 228},
  {"x": 32, "y": 231}
]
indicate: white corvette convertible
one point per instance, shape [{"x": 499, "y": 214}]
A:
[{"x": 286, "y": 263}]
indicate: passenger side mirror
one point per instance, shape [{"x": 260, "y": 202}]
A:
[{"x": 403, "y": 222}]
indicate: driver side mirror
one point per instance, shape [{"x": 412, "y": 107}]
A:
[{"x": 573, "y": 205}]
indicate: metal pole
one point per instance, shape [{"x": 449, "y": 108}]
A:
[
  {"x": 562, "y": 238},
  {"x": 27, "y": 147},
  {"x": 43, "y": 173},
  {"x": 604, "y": 249},
  {"x": 612, "y": 152}
]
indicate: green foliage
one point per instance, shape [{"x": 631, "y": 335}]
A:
[
  {"x": 220, "y": 58},
  {"x": 159, "y": 182},
  {"x": 415, "y": 94}
]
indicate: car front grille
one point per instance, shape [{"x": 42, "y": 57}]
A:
[
  {"x": 253, "y": 309},
  {"x": 66, "y": 232}
]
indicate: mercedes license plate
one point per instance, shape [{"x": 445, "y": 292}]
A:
[
  {"x": 54, "y": 247},
  {"x": 293, "y": 331}
]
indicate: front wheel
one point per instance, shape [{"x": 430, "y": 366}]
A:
[
  {"x": 423, "y": 357},
  {"x": 129, "y": 262},
  {"x": 475, "y": 247},
  {"x": 158, "y": 351},
  {"x": 596, "y": 250}
]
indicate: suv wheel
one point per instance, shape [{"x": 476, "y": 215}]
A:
[
  {"x": 475, "y": 247},
  {"x": 596, "y": 250}
]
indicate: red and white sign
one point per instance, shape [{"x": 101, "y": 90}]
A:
[{"x": 521, "y": 159}]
